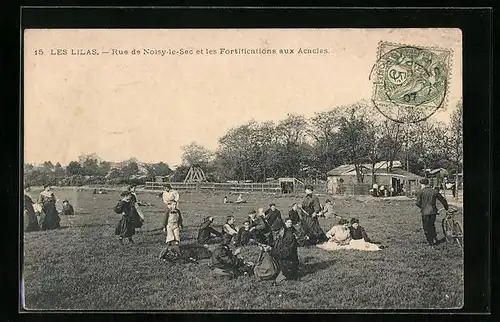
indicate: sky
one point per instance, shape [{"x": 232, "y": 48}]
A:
[{"x": 148, "y": 106}]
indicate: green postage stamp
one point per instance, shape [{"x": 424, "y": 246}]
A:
[{"x": 410, "y": 82}]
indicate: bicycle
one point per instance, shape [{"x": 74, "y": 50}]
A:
[{"x": 452, "y": 229}]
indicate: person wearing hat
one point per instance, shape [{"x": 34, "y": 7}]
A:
[
  {"x": 310, "y": 223},
  {"x": 426, "y": 201},
  {"x": 273, "y": 217},
  {"x": 126, "y": 226},
  {"x": 49, "y": 218},
  {"x": 67, "y": 208}
]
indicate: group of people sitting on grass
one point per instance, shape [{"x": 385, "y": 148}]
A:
[
  {"x": 238, "y": 200},
  {"x": 278, "y": 238},
  {"x": 43, "y": 214}
]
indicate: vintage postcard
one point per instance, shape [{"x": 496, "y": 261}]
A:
[{"x": 242, "y": 169}]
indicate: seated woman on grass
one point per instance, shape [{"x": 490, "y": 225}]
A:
[
  {"x": 340, "y": 233},
  {"x": 225, "y": 263},
  {"x": 207, "y": 234},
  {"x": 340, "y": 238},
  {"x": 358, "y": 232},
  {"x": 358, "y": 235}
]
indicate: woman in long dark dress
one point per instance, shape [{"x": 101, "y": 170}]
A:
[
  {"x": 285, "y": 252},
  {"x": 126, "y": 225},
  {"x": 49, "y": 218},
  {"x": 310, "y": 223},
  {"x": 137, "y": 216},
  {"x": 30, "y": 219}
]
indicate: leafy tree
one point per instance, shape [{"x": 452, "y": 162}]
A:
[
  {"x": 74, "y": 168},
  {"x": 291, "y": 135},
  {"x": 130, "y": 169},
  {"x": 162, "y": 169},
  {"x": 47, "y": 167},
  {"x": 59, "y": 171},
  {"x": 90, "y": 167},
  {"x": 454, "y": 140},
  {"x": 323, "y": 129},
  {"x": 180, "y": 173},
  {"x": 356, "y": 137},
  {"x": 103, "y": 168},
  {"x": 196, "y": 155},
  {"x": 233, "y": 154}
]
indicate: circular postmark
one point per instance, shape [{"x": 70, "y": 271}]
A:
[{"x": 410, "y": 82}]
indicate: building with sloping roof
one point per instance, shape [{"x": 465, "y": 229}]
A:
[{"x": 399, "y": 179}]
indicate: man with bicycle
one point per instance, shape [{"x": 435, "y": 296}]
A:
[{"x": 426, "y": 201}]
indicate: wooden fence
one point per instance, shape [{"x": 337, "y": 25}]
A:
[
  {"x": 274, "y": 187},
  {"x": 212, "y": 186}
]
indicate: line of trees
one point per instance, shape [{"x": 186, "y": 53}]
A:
[{"x": 296, "y": 146}]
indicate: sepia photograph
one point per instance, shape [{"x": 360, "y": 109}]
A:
[{"x": 242, "y": 169}]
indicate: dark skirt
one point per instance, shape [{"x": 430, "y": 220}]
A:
[
  {"x": 125, "y": 227},
  {"x": 313, "y": 230},
  {"x": 289, "y": 268},
  {"x": 49, "y": 218},
  {"x": 30, "y": 221},
  {"x": 137, "y": 220}
]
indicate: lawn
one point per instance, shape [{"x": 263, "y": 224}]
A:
[{"x": 83, "y": 267}]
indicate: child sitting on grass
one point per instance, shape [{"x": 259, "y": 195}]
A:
[{"x": 67, "y": 209}]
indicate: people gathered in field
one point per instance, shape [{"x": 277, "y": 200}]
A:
[{"x": 277, "y": 238}]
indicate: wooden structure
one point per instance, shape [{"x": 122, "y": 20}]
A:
[
  {"x": 289, "y": 185},
  {"x": 403, "y": 182},
  {"x": 195, "y": 174}
]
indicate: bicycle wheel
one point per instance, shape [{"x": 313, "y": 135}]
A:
[
  {"x": 447, "y": 229},
  {"x": 458, "y": 233}
]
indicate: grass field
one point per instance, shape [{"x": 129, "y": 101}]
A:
[{"x": 83, "y": 267}]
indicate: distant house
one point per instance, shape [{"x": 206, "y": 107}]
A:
[{"x": 397, "y": 178}]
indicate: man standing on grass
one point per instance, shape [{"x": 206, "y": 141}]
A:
[{"x": 426, "y": 201}]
